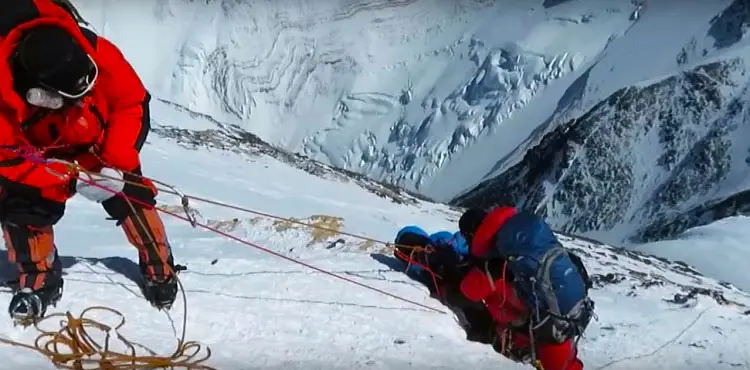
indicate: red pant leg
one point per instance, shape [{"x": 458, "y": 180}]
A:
[{"x": 562, "y": 356}]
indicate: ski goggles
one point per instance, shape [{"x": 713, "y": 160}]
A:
[
  {"x": 81, "y": 87},
  {"x": 50, "y": 97}
]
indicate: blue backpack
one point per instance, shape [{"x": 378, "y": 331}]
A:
[
  {"x": 459, "y": 244},
  {"x": 550, "y": 279}
]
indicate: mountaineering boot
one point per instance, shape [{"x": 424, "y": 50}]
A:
[
  {"x": 28, "y": 306},
  {"x": 145, "y": 230},
  {"x": 161, "y": 294},
  {"x": 40, "y": 282}
]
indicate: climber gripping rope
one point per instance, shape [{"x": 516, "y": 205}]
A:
[
  {"x": 69, "y": 94},
  {"x": 428, "y": 256},
  {"x": 439, "y": 261}
]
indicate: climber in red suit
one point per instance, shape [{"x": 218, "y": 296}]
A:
[
  {"x": 68, "y": 96},
  {"x": 490, "y": 284}
]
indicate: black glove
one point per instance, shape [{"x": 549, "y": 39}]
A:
[{"x": 482, "y": 327}]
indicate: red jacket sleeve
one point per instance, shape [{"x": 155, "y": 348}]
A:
[
  {"x": 15, "y": 168},
  {"x": 128, "y": 121}
]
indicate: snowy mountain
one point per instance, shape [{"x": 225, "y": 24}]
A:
[
  {"x": 724, "y": 240},
  {"x": 396, "y": 90},
  {"x": 672, "y": 151},
  {"x": 435, "y": 97},
  {"x": 256, "y": 310},
  {"x": 666, "y": 135},
  {"x": 552, "y": 105}
]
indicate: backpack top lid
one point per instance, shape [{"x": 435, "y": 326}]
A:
[
  {"x": 451, "y": 241},
  {"x": 546, "y": 276},
  {"x": 410, "y": 229},
  {"x": 525, "y": 234},
  {"x": 460, "y": 244}
]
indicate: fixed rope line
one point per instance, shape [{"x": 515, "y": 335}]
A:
[
  {"x": 83, "y": 350},
  {"x": 170, "y": 189},
  {"x": 269, "y": 251},
  {"x": 34, "y": 155},
  {"x": 73, "y": 167},
  {"x": 72, "y": 347},
  {"x": 661, "y": 347}
]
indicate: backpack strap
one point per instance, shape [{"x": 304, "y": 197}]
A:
[
  {"x": 542, "y": 277},
  {"x": 555, "y": 326}
]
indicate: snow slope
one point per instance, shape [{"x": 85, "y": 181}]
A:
[
  {"x": 724, "y": 240},
  {"x": 441, "y": 96},
  {"x": 455, "y": 99},
  {"x": 396, "y": 90},
  {"x": 258, "y": 311}
]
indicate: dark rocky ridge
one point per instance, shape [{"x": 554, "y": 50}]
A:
[{"x": 593, "y": 164}]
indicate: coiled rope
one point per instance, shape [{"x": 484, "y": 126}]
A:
[{"x": 72, "y": 347}]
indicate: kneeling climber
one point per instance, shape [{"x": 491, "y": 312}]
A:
[
  {"x": 74, "y": 115},
  {"x": 439, "y": 261},
  {"x": 428, "y": 257}
]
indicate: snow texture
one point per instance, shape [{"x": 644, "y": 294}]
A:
[
  {"x": 257, "y": 311},
  {"x": 638, "y": 108},
  {"x": 667, "y": 137},
  {"x": 396, "y": 90},
  {"x": 440, "y": 96},
  {"x": 724, "y": 241}
]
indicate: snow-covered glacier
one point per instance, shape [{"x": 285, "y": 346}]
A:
[
  {"x": 619, "y": 119},
  {"x": 654, "y": 157},
  {"x": 622, "y": 120},
  {"x": 396, "y": 90}
]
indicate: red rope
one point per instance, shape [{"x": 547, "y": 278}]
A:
[
  {"x": 253, "y": 245},
  {"x": 411, "y": 262}
]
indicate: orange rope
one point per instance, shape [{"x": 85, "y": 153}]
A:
[{"x": 72, "y": 347}]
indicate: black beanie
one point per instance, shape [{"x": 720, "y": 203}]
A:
[
  {"x": 51, "y": 57},
  {"x": 470, "y": 221}
]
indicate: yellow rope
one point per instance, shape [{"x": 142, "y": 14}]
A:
[{"x": 73, "y": 347}]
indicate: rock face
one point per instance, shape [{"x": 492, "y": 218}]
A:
[{"x": 646, "y": 163}]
